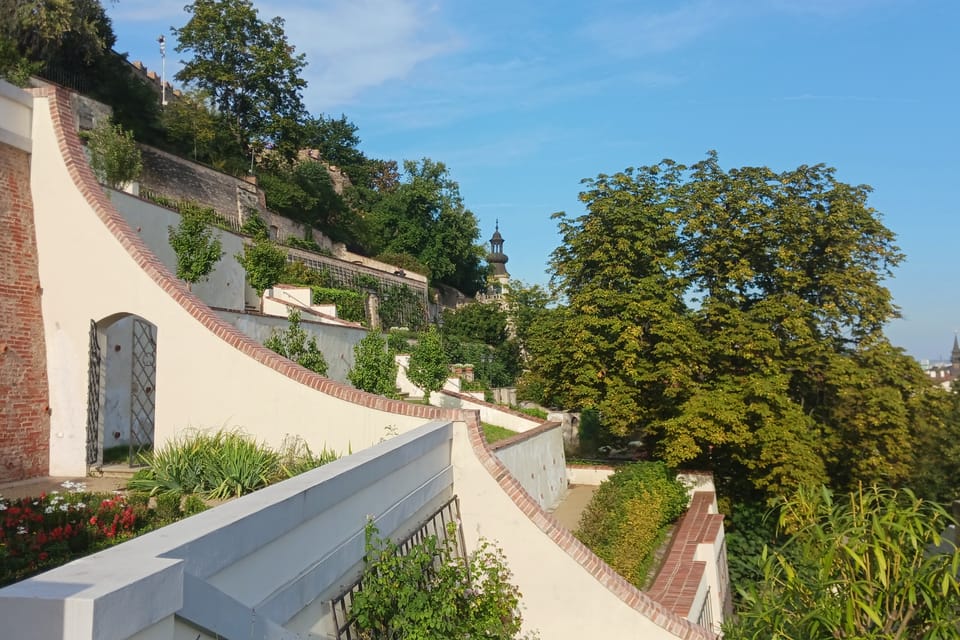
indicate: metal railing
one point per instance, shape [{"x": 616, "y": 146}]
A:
[{"x": 435, "y": 525}]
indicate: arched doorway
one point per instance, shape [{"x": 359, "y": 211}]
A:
[{"x": 121, "y": 389}]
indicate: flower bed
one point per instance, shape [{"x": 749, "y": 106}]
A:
[{"x": 49, "y": 530}]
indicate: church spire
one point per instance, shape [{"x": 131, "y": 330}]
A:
[{"x": 497, "y": 258}]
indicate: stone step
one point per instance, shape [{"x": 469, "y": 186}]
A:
[{"x": 115, "y": 471}]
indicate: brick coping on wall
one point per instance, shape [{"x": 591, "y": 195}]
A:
[
  {"x": 79, "y": 169},
  {"x": 526, "y": 435},
  {"x": 679, "y": 578},
  {"x": 600, "y": 570},
  {"x": 498, "y": 407}
]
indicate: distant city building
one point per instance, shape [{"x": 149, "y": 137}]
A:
[{"x": 945, "y": 373}]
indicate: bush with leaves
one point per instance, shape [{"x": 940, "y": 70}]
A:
[
  {"x": 430, "y": 593},
  {"x": 264, "y": 263},
  {"x": 114, "y": 156},
  {"x": 374, "y": 369},
  {"x": 197, "y": 249},
  {"x": 222, "y": 464},
  {"x": 869, "y": 564},
  {"x": 350, "y": 304},
  {"x": 428, "y": 364},
  {"x": 627, "y": 517},
  {"x": 292, "y": 343}
]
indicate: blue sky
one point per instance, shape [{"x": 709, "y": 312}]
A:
[{"x": 522, "y": 100}]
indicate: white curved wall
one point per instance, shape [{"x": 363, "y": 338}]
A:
[{"x": 203, "y": 380}]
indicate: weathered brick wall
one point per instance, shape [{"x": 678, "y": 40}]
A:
[{"x": 24, "y": 399}]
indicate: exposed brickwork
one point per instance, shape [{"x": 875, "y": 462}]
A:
[
  {"x": 82, "y": 176},
  {"x": 24, "y": 394},
  {"x": 679, "y": 578},
  {"x": 599, "y": 569},
  {"x": 498, "y": 407}
]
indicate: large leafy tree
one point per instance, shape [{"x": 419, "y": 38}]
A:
[
  {"x": 734, "y": 319},
  {"x": 248, "y": 68},
  {"x": 424, "y": 216}
]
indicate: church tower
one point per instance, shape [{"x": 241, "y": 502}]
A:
[
  {"x": 498, "y": 260},
  {"x": 955, "y": 358}
]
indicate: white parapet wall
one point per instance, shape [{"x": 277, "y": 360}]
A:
[
  {"x": 536, "y": 459},
  {"x": 262, "y": 566},
  {"x": 490, "y": 413}
]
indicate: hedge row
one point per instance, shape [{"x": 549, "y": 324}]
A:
[{"x": 628, "y": 516}]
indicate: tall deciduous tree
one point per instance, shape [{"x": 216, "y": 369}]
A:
[
  {"x": 248, "y": 68},
  {"x": 424, "y": 216},
  {"x": 735, "y": 318}
]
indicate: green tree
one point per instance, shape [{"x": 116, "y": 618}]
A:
[
  {"x": 114, "y": 156},
  {"x": 375, "y": 369},
  {"x": 734, "y": 319},
  {"x": 248, "y": 68},
  {"x": 264, "y": 263},
  {"x": 627, "y": 346},
  {"x": 198, "y": 249},
  {"x": 424, "y": 216},
  {"x": 292, "y": 343},
  {"x": 191, "y": 125},
  {"x": 526, "y": 307},
  {"x": 479, "y": 322},
  {"x": 71, "y": 34},
  {"x": 857, "y": 566},
  {"x": 428, "y": 365}
]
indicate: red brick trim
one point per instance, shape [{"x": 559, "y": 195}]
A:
[
  {"x": 526, "y": 435},
  {"x": 498, "y": 407},
  {"x": 82, "y": 176},
  {"x": 680, "y": 576},
  {"x": 599, "y": 569}
]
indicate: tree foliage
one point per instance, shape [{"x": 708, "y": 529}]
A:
[
  {"x": 292, "y": 343},
  {"x": 264, "y": 263},
  {"x": 734, "y": 320},
  {"x": 859, "y": 565},
  {"x": 193, "y": 241},
  {"x": 248, "y": 68},
  {"x": 424, "y": 216},
  {"x": 374, "y": 369},
  {"x": 428, "y": 364},
  {"x": 114, "y": 155}
]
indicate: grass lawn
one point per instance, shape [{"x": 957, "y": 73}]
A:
[{"x": 493, "y": 433}]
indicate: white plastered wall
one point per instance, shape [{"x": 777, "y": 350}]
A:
[
  {"x": 560, "y": 598},
  {"x": 202, "y": 381}
]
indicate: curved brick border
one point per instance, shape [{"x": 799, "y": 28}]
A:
[
  {"x": 82, "y": 176},
  {"x": 525, "y": 435},
  {"x": 498, "y": 407},
  {"x": 561, "y": 536}
]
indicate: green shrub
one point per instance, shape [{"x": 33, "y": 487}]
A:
[
  {"x": 398, "y": 341},
  {"x": 375, "y": 368},
  {"x": 351, "y": 305},
  {"x": 627, "y": 517},
  {"x": 220, "y": 465},
  {"x": 296, "y": 457},
  {"x": 114, "y": 155},
  {"x": 294, "y": 344},
  {"x": 430, "y": 593}
]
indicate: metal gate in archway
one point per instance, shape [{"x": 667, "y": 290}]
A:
[
  {"x": 94, "y": 389},
  {"x": 143, "y": 380}
]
